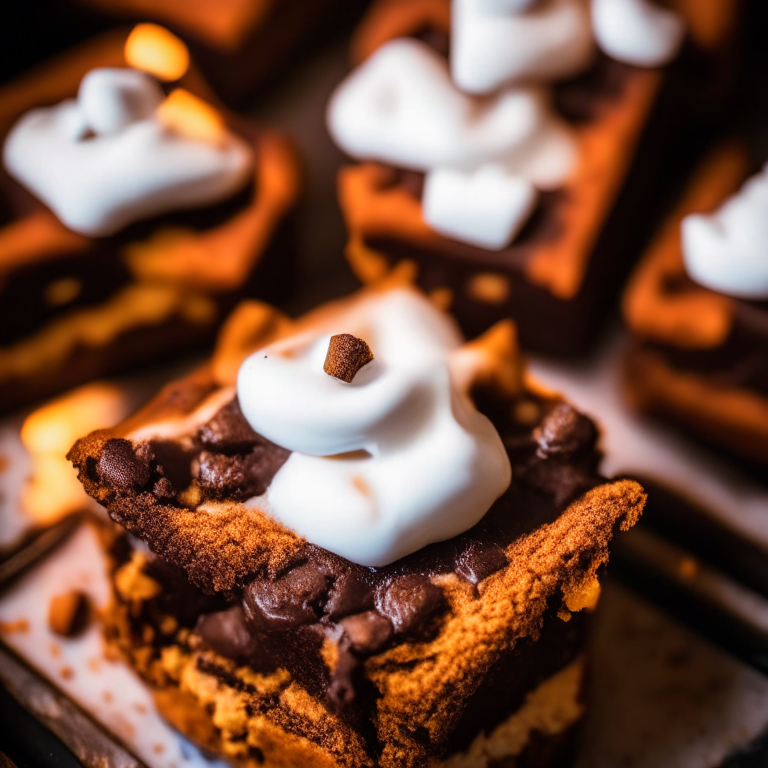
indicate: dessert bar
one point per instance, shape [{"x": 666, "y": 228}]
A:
[
  {"x": 697, "y": 307},
  {"x": 515, "y": 157},
  {"x": 364, "y": 542},
  {"x": 132, "y": 217}
]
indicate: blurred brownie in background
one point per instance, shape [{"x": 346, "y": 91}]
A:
[
  {"x": 526, "y": 187},
  {"x": 697, "y": 307},
  {"x": 134, "y": 213}
]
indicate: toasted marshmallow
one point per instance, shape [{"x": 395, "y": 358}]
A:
[
  {"x": 104, "y": 161},
  {"x": 493, "y": 45},
  {"x": 397, "y": 459},
  {"x": 637, "y": 32},
  {"x": 726, "y": 250},
  {"x": 401, "y": 107}
]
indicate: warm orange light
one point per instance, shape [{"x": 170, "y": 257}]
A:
[
  {"x": 54, "y": 427},
  {"x": 156, "y": 50},
  {"x": 48, "y": 433},
  {"x": 189, "y": 116}
]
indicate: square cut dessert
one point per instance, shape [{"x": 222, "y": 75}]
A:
[
  {"x": 697, "y": 307},
  {"x": 134, "y": 214},
  {"x": 356, "y": 540},
  {"x": 240, "y": 45},
  {"x": 513, "y": 154}
]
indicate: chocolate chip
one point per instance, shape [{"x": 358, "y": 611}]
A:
[
  {"x": 227, "y": 633},
  {"x": 289, "y": 602},
  {"x": 409, "y": 601},
  {"x": 346, "y": 356},
  {"x": 239, "y": 476},
  {"x": 565, "y": 432},
  {"x": 228, "y": 431},
  {"x": 121, "y": 467},
  {"x": 68, "y": 614},
  {"x": 479, "y": 560},
  {"x": 367, "y": 632},
  {"x": 563, "y": 481},
  {"x": 349, "y": 594}
]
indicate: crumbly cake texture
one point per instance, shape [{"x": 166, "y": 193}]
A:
[
  {"x": 559, "y": 276},
  {"x": 80, "y": 308},
  {"x": 698, "y": 357},
  {"x": 306, "y": 658}
]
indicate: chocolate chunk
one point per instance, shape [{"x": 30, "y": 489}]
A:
[
  {"x": 346, "y": 356},
  {"x": 227, "y": 633},
  {"x": 289, "y": 602},
  {"x": 228, "y": 431},
  {"x": 565, "y": 433},
  {"x": 68, "y": 614},
  {"x": 478, "y": 561},
  {"x": 564, "y": 482},
  {"x": 349, "y": 594},
  {"x": 239, "y": 476},
  {"x": 341, "y": 689},
  {"x": 122, "y": 467},
  {"x": 367, "y": 632},
  {"x": 409, "y": 601}
]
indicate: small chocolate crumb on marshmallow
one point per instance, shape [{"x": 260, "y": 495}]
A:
[
  {"x": 68, "y": 614},
  {"x": 346, "y": 356}
]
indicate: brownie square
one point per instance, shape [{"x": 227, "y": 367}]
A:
[
  {"x": 270, "y": 650},
  {"x": 77, "y": 308},
  {"x": 561, "y": 274},
  {"x": 699, "y": 358}
]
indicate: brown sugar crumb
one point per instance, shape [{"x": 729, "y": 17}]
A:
[
  {"x": 68, "y": 614},
  {"x": 7, "y": 627},
  {"x": 346, "y": 356},
  {"x": 67, "y": 673}
]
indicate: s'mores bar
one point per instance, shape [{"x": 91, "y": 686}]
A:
[
  {"x": 134, "y": 213},
  {"x": 358, "y": 540},
  {"x": 697, "y": 307},
  {"x": 514, "y": 154}
]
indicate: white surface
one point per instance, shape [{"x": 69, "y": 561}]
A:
[
  {"x": 397, "y": 459},
  {"x": 638, "y": 32},
  {"x": 636, "y": 445},
  {"x": 494, "y": 45},
  {"x": 15, "y": 466},
  {"x": 97, "y": 184},
  {"x": 727, "y": 250},
  {"x": 108, "y": 690},
  {"x": 662, "y": 697}
]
